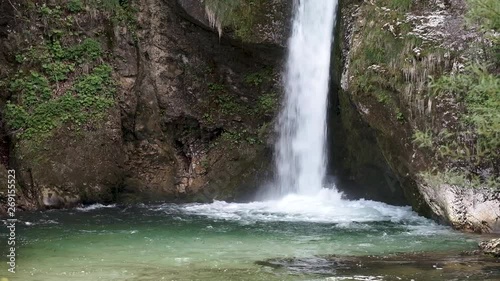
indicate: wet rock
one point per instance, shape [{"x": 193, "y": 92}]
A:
[
  {"x": 270, "y": 25},
  {"x": 72, "y": 167},
  {"x": 471, "y": 209},
  {"x": 402, "y": 266},
  {"x": 491, "y": 247},
  {"x": 23, "y": 200},
  {"x": 167, "y": 123},
  {"x": 54, "y": 198},
  {"x": 313, "y": 265}
]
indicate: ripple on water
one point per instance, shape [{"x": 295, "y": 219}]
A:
[{"x": 220, "y": 241}]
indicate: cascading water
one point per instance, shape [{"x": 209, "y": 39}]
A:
[
  {"x": 298, "y": 229},
  {"x": 300, "y": 161}
]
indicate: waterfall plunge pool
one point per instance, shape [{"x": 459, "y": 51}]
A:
[{"x": 318, "y": 237}]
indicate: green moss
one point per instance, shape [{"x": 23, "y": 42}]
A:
[
  {"x": 207, "y": 117},
  {"x": 423, "y": 139},
  {"x": 386, "y": 68},
  {"x": 240, "y": 15},
  {"x": 120, "y": 12},
  {"x": 391, "y": 66},
  {"x": 75, "y": 6},
  {"x": 485, "y": 12},
  {"x": 89, "y": 49},
  {"x": 225, "y": 103},
  {"x": 58, "y": 84},
  {"x": 37, "y": 111},
  {"x": 215, "y": 88},
  {"x": 400, "y": 116},
  {"x": 233, "y": 137},
  {"x": 478, "y": 91},
  {"x": 267, "y": 103},
  {"x": 400, "y": 5},
  {"x": 257, "y": 78},
  {"x": 376, "y": 63},
  {"x": 459, "y": 178},
  {"x": 254, "y": 79},
  {"x": 473, "y": 145},
  {"x": 228, "y": 104},
  {"x": 240, "y": 136}
]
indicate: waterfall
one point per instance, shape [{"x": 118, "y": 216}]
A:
[{"x": 300, "y": 151}]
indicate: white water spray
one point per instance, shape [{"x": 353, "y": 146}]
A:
[
  {"x": 297, "y": 194},
  {"x": 300, "y": 160}
]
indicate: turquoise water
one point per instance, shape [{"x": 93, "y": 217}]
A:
[{"x": 220, "y": 241}]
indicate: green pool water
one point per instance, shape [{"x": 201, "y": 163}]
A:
[{"x": 223, "y": 241}]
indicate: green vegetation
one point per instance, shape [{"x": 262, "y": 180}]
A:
[
  {"x": 422, "y": 139},
  {"x": 479, "y": 91},
  {"x": 208, "y": 118},
  {"x": 240, "y": 136},
  {"x": 254, "y": 79},
  {"x": 228, "y": 104},
  {"x": 240, "y": 15},
  {"x": 393, "y": 68},
  {"x": 233, "y": 137},
  {"x": 257, "y": 78},
  {"x": 400, "y": 5},
  {"x": 485, "y": 12},
  {"x": 476, "y": 140},
  {"x": 385, "y": 61},
  {"x": 121, "y": 12},
  {"x": 62, "y": 78},
  {"x": 473, "y": 146},
  {"x": 38, "y": 112},
  {"x": 384, "y": 97},
  {"x": 75, "y": 6},
  {"x": 215, "y": 88},
  {"x": 268, "y": 103},
  {"x": 457, "y": 177},
  {"x": 486, "y": 15},
  {"x": 400, "y": 116}
]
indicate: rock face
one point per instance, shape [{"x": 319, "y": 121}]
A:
[
  {"x": 474, "y": 210},
  {"x": 191, "y": 122},
  {"x": 491, "y": 247},
  {"x": 269, "y": 21},
  {"x": 390, "y": 52}
]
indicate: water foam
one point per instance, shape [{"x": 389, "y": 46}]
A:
[
  {"x": 94, "y": 207},
  {"x": 326, "y": 206}
]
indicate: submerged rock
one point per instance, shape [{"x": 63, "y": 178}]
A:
[
  {"x": 403, "y": 266},
  {"x": 491, "y": 247}
]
